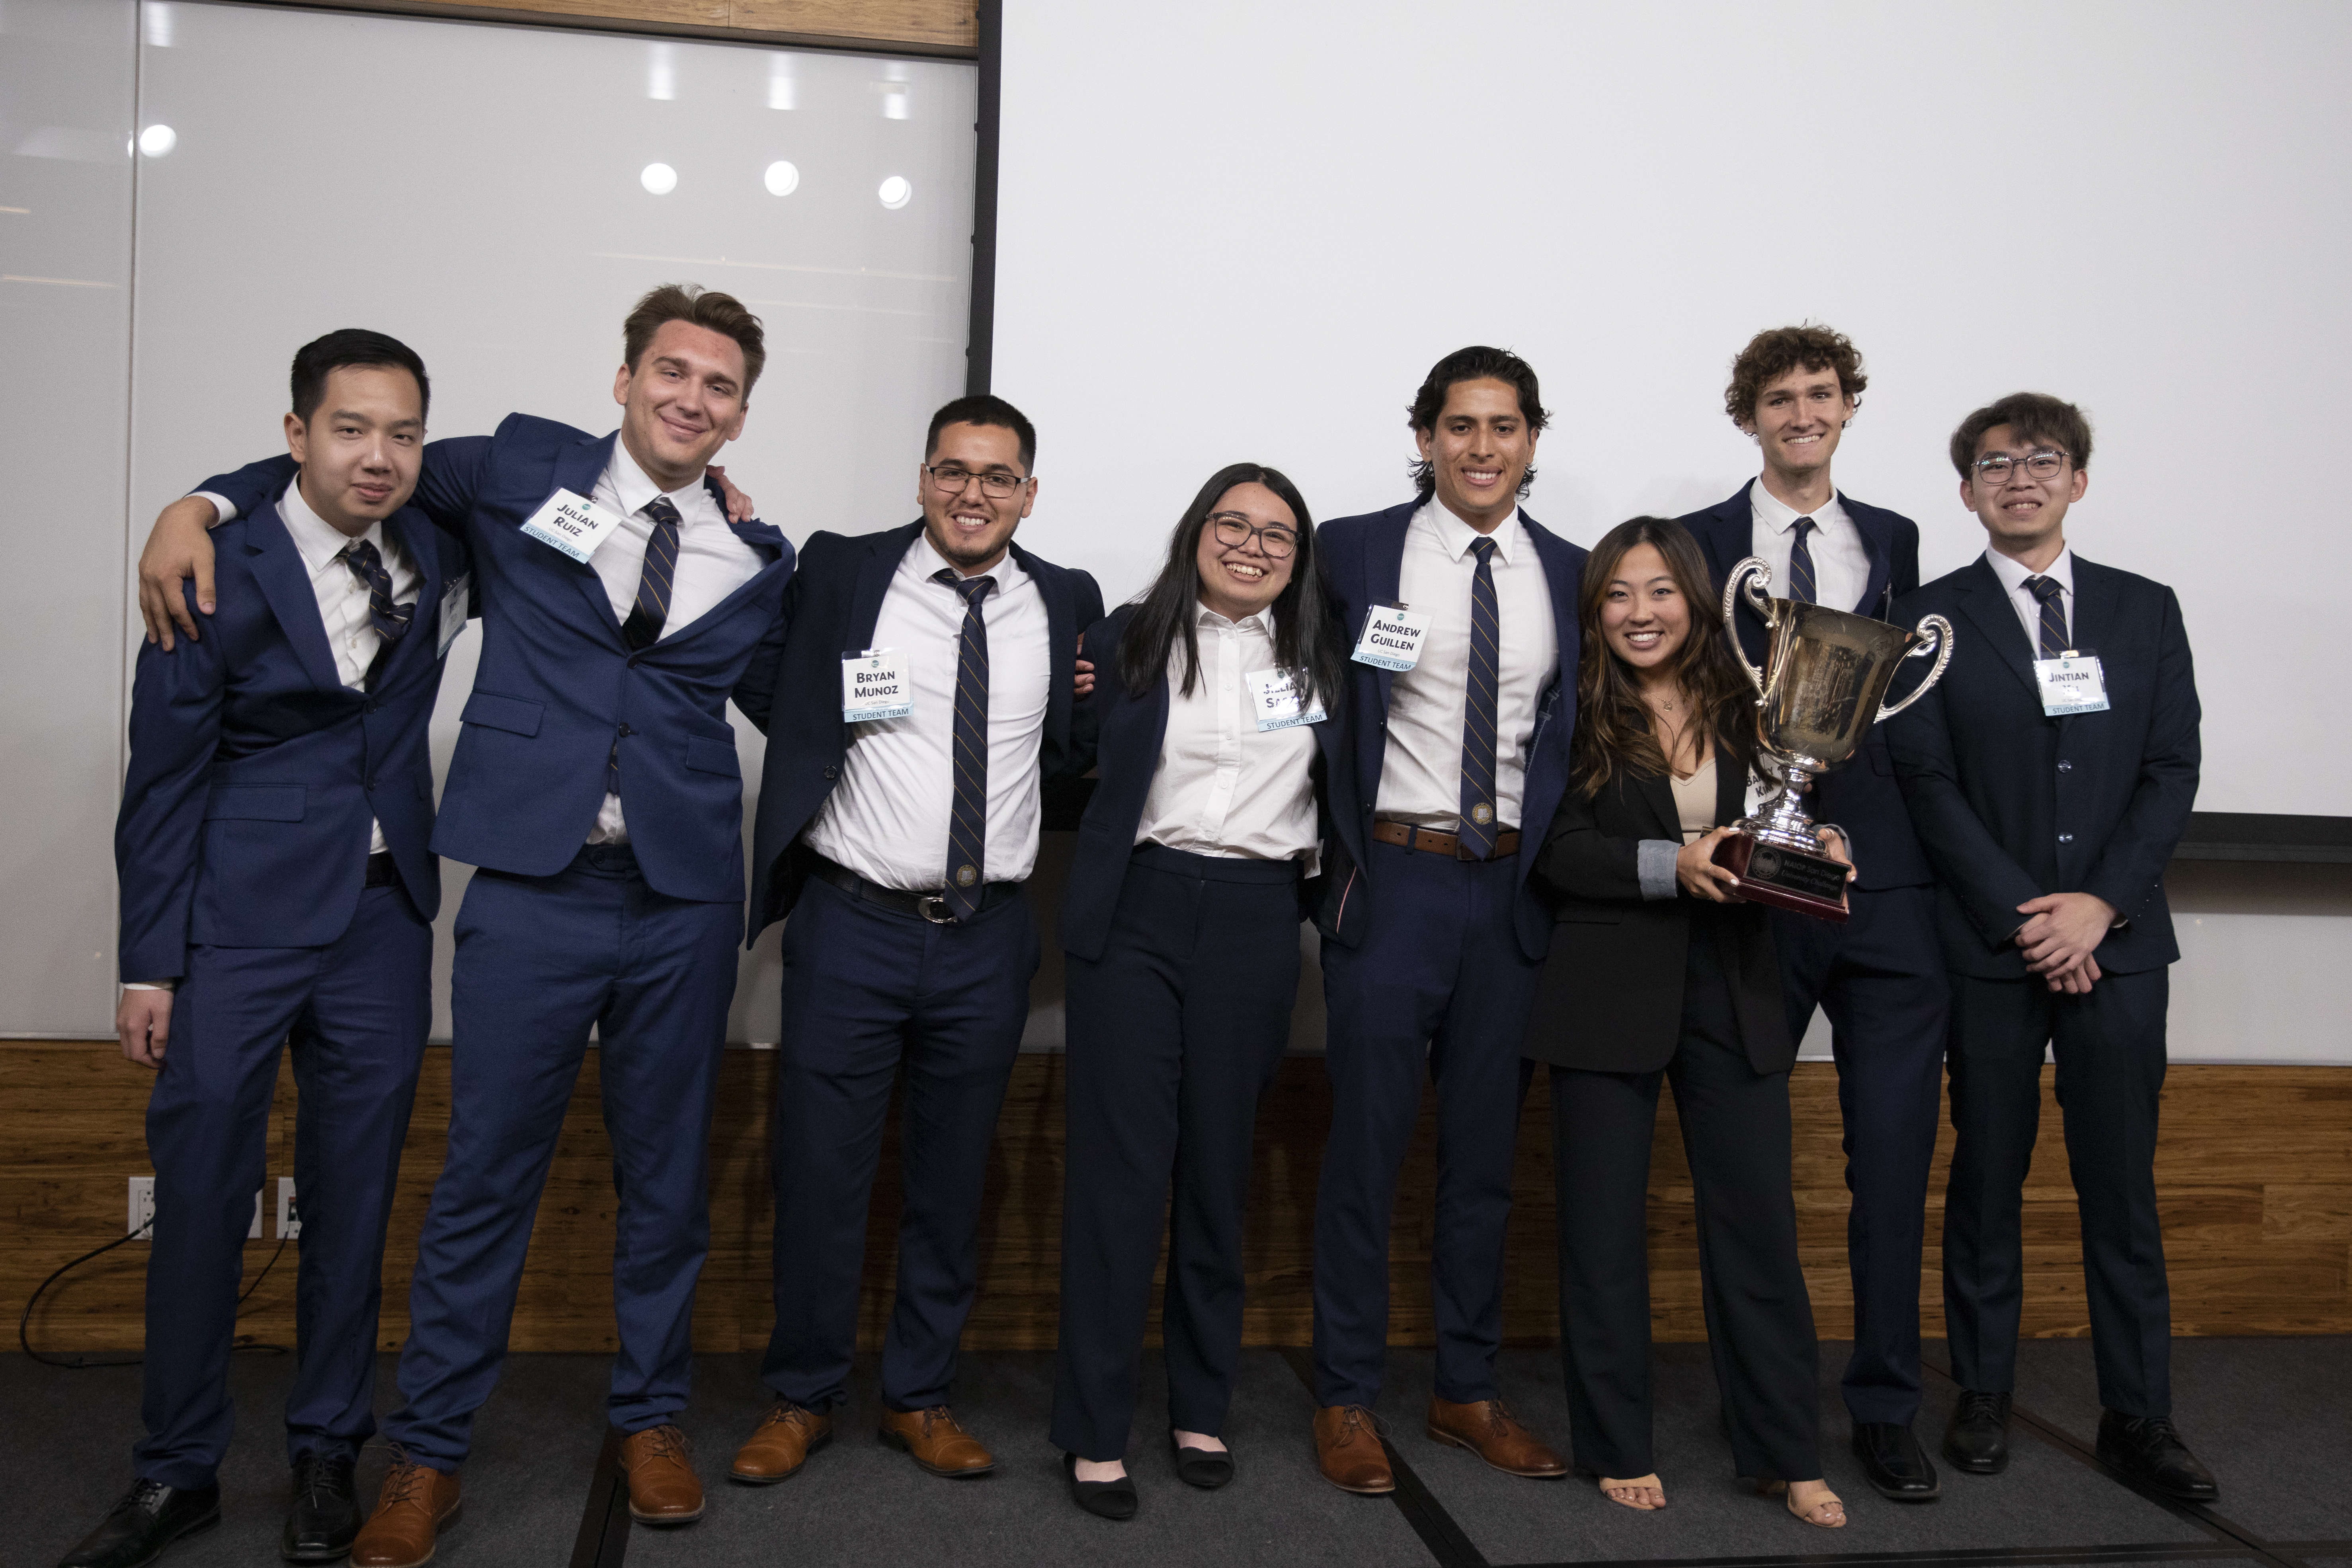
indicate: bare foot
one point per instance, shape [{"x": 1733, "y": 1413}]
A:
[
  {"x": 1199, "y": 1440},
  {"x": 1645, "y": 1494},
  {"x": 1100, "y": 1469},
  {"x": 1813, "y": 1502}
]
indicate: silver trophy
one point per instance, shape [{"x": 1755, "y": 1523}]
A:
[{"x": 1826, "y": 672}]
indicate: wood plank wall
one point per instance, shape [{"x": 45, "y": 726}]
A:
[
  {"x": 920, "y": 27},
  {"x": 2254, "y": 1174}
]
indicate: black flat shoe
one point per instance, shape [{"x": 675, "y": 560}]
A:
[
  {"x": 1894, "y": 1462},
  {"x": 1978, "y": 1439},
  {"x": 323, "y": 1520},
  {"x": 150, "y": 1517},
  {"x": 1199, "y": 1468},
  {"x": 2147, "y": 1449},
  {"x": 1104, "y": 1499}
]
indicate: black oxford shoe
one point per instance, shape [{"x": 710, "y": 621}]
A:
[
  {"x": 2149, "y": 1450},
  {"x": 324, "y": 1517},
  {"x": 150, "y": 1517},
  {"x": 1978, "y": 1439},
  {"x": 1894, "y": 1462}
]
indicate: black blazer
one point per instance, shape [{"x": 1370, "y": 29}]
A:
[
  {"x": 794, "y": 697},
  {"x": 2011, "y": 803},
  {"x": 1612, "y": 995}
]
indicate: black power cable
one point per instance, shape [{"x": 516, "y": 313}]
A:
[{"x": 83, "y": 1363}]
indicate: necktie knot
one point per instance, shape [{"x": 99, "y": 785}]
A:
[
  {"x": 1805, "y": 525},
  {"x": 390, "y": 620},
  {"x": 1484, "y": 549},
  {"x": 1803, "y": 586},
  {"x": 971, "y": 588},
  {"x": 363, "y": 557},
  {"x": 663, "y": 510},
  {"x": 2045, "y": 588}
]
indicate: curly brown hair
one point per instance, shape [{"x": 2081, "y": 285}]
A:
[
  {"x": 1612, "y": 724},
  {"x": 1774, "y": 353}
]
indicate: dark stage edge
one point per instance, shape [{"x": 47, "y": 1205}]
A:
[{"x": 2267, "y": 1415}]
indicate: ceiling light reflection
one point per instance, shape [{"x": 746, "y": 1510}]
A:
[
  {"x": 782, "y": 179},
  {"x": 658, "y": 178},
  {"x": 158, "y": 140},
  {"x": 895, "y": 192}
]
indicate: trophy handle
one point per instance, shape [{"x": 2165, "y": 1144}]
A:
[
  {"x": 1936, "y": 633},
  {"x": 1750, "y": 576}
]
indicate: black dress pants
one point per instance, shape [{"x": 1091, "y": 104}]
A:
[
  {"x": 2110, "y": 1052},
  {"x": 1760, "y": 1320},
  {"x": 1175, "y": 1033}
]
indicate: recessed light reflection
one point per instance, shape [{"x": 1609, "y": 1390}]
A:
[
  {"x": 782, "y": 179},
  {"x": 158, "y": 140},
  {"x": 658, "y": 178},
  {"x": 895, "y": 192}
]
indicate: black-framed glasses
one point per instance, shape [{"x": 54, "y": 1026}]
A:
[
  {"x": 1234, "y": 531},
  {"x": 952, "y": 477},
  {"x": 2043, "y": 465}
]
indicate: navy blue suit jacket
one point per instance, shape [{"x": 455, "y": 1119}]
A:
[
  {"x": 254, "y": 769},
  {"x": 830, "y": 610},
  {"x": 1862, "y": 796},
  {"x": 1363, "y": 560},
  {"x": 1129, "y": 731},
  {"x": 2012, "y": 804},
  {"x": 558, "y": 689}
]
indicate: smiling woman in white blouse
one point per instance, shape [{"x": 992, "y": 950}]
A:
[{"x": 1181, "y": 935}]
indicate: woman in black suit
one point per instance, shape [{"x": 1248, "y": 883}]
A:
[
  {"x": 1181, "y": 935},
  {"x": 1657, "y": 971}
]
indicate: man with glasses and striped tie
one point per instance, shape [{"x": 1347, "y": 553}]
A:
[
  {"x": 2050, "y": 773},
  {"x": 1879, "y": 976}
]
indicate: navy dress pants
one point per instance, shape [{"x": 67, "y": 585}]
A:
[
  {"x": 1880, "y": 979},
  {"x": 540, "y": 959},
  {"x": 2110, "y": 1052},
  {"x": 355, "y": 1013},
  {"x": 1175, "y": 1034},
  {"x": 868, "y": 993},
  {"x": 1438, "y": 992}
]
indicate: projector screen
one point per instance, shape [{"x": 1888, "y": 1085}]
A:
[{"x": 1248, "y": 235}]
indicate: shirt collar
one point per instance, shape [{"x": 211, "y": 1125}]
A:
[
  {"x": 320, "y": 541},
  {"x": 1781, "y": 517},
  {"x": 637, "y": 489},
  {"x": 2013, "y": 572},
  {"x": 924, "y": 557},
  {"x": 1263, "y": 620},
  {"x": 1455, "y": 537}
]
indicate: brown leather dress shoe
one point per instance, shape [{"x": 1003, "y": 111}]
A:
[
  {"x": 417, "y": 1502},
  {"x": 663, "y": 1487},
  {"x": 1348, "y": 1450},
  {"x": 787, "y": 1435},
  {"x": 937, "y": 1441},
  {"x": 1489, "y": 1430}
]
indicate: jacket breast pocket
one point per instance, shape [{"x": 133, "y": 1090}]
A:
[
  {"x": 508, "y": 714},
  {"x": 255, "y": 803},
  {"x": 710, "y": 754}
]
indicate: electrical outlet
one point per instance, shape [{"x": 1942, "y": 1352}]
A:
[
  {"x": 290, "y": 1214},
  {"x": 142, "y": 1208}
]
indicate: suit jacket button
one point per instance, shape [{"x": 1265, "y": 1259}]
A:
[
  {"x": 2066, "y": 838},
  {"x": 2065, "y": 766},
  {"x": 626, "y": 731},
  {"x": 371, "y": 708},
  {"x": 832, "y": 772},
  {"x": 371, "y": 783}
]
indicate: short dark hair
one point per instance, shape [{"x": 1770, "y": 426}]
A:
[
  {"x": 317, "y": 359},
  {"x": 1776, "y": 351},
  {"x": 1477, "y": 362},
  {"x": 722, "y": 313},
  {"x": 2035, "y": 416},
  {"x": 984, "y": 408}
]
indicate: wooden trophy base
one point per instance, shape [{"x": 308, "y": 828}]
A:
[{"x": 1790, "y": 880}]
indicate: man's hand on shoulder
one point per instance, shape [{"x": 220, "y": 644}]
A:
[
  {"x": 1085, "y": 683},
  {"x": 178, "y": 548},
  {"x": 738, "y": 505},
  {"x": 2060, "y": 932}
]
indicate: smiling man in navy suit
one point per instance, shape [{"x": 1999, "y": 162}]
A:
[
  {"x": 1433, "y": 942},
  {"x": 1879, "y": 976},
  {"x": 596, "y": 787},
  {"x": 2050, "y": 773},
  {"x": 277, "y": 890}
]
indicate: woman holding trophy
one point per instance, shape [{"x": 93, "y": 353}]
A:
[{"x": 1658, "y": 971}]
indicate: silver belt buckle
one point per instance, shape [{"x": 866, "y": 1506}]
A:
[{"x": 926, "y": 903}]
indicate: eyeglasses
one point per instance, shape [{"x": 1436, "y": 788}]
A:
[
  {"x": 1234, "y": 531},
  {"x": 952, "y": 477},
  {"x": 2045, "y": 465}
]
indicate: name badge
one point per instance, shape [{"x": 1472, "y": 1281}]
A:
[
  {"x": 2071, "y": 683},
  {"x": 453, "y": 605},
  {"x": 571, "y": 523},
  {"x": 1274, "y": 700},
  {"x": 1392, "y": 638},
  {"x": 874, "y": 684}
]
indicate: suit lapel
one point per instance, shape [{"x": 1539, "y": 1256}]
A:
[
  {"x": 1558, "y": 575},
  {"x": 1384, "y": 576},
  {"x": 1728, "y": 537},
  {"x": 1878, "y": 545},
  {"x": 1658, "y": 795},
  {"x": 2094, "y": 606},
  {"x": 1986, "y": 604},
  {"x": 881, "y": 563},
  {"x": 1061, "y": 645},
  {"x": 577, "y": 470},
  {"x": 425, "y": 619},
  {"x": 285, "y": 579}
]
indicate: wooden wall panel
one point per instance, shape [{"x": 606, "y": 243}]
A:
[
  {"x": 924, "y": 27},
  {"x": 2255, "y": 1177}
]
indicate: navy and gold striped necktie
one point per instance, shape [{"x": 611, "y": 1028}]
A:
[
  {"x": 1801, "y": 586},
  {"x": 1478, "y": 825},
  {"x": 390, "y": 620},
  {"x": 2053, "y": 615},
  {"x": 968, "y": 811},
  {"x": 651, "y": 612}
]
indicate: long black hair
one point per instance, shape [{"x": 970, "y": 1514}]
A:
[{"x": 1305, "y": 637}]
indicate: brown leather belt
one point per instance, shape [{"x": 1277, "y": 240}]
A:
[{"x": 1430, "y": 841}]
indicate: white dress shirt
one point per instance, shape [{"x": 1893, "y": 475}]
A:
[
  {"x": 1421, "y": 778},
  {"x": 1222, "y": 786},
  {"x": 2012, "y": 574},
  {"x": 1840, "y": 564},
  {"x": 887, "y": 818}
]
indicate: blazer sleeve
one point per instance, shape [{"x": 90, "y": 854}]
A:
[
  {"x": 1582, "y": 861},
  {"x": 2133, "y": 858},
  {"x": 176, "y": 725},
  {"x": 1085, "y": 713},
  {"x": 755, "y": 692},
  {"x": 1964, "y": 854},
  {"x": 1903, "y": 575}
]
